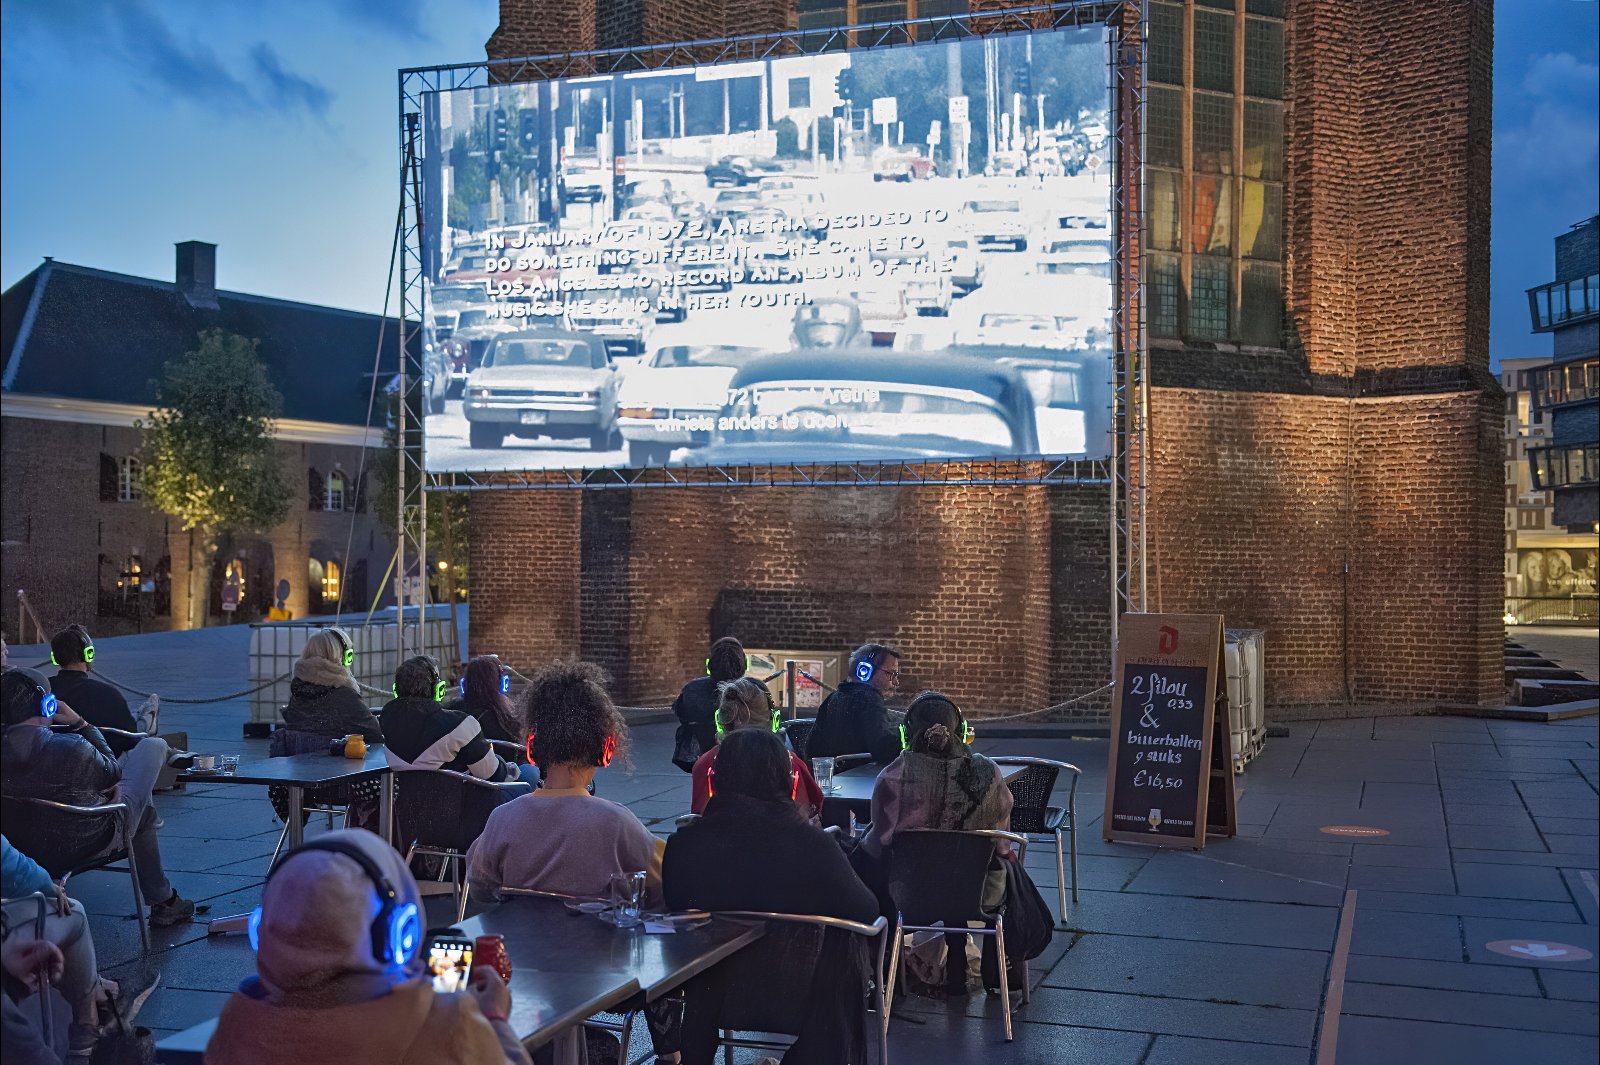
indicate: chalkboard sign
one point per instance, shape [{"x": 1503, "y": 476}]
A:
[{"x": 1169, "y": 780}]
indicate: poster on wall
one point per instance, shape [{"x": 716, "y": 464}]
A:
[
  {"x": 896, "y": 254},
  {"x": 1557, "y": 571}
]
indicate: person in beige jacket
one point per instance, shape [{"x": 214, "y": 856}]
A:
[{"x": 337, "y": 981}]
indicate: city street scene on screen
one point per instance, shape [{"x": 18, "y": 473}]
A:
[{"x": 892, "y": 254}]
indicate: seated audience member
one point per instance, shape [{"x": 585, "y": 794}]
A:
[
  {"x": 66, "y": 924},
  {"x": 854, "y": 719},
  {"x": 746, "y": 703},
  {"x": 341, "y": 972},
  {"x": 324, "y": 697},
  {"x": 752, "y": 850},
  {"x": 485, "y": 688},
  {"x": 25, "y": 961},
  {"x": 142, "y": 757},
  {"x": 561, "y": 838},
  {"x": 696, "y": 705},
  {"x": 419, "y": 733},
  {"x": 48, "y": 752}
]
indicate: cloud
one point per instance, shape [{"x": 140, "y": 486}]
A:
[
  {"x": 140, "y": 37},
  {"x": 1562, "y": 75},
  {"x": 401, "y": 18},
  {"x": 289, "y": 88}
]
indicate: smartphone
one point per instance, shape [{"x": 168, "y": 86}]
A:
[{"x": 449, "y": 962}]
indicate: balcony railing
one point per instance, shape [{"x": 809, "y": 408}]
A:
[
  {"x": 1564, "y": 302},
  {"x": 1567, "y": 382},
  {"x": 1564, "y": 467},
  {"x": 1552, "y": 610}
]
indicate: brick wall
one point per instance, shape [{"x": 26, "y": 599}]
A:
[{"x": 525, "y": 561}]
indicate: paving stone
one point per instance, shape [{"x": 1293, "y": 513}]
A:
[
  {"x": 1443, "y": 975},
  {"x": 1389, "y": 1041},
  {"x": 1510, "y": 882},
  {"x": 1462, "y": 1007},
  {"x": 1261, "y": 976},
  {"x": 177, "y": 1008},
  {"x": 1510, "y": 813},
  {"x": 1435, "y": 937},
  {"x": 1580, "y": 859},
  {"x": 1468, "y": 906},
  {"x": 1391, "y": 878},
  {"x": 1402, "y": 856},
  {"x": 1219, "y": 881},
  {"x": 1573, "y": 826},
  {"x": 956, "y": 1038},
  {"x": 1565, "y": 984},
  {"x": 1208, "y": 920},
  {"x": 1179, "y": 1050},
  {"x": 1479, "y": 931},
  {"x": 1497, "y": 837},
  {"x": 1557, "y": 841}
]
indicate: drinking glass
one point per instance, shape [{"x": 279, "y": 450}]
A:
[
  {"x": 626, "y": 894},
  {"x": 822, "y": 770},
  {"x": 228, "y": 763}
]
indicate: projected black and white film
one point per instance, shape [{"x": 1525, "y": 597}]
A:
[{"x": 857, "y": 256}]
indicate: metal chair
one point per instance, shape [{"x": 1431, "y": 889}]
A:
[
  {"x": 441, "y": 812},
  {"x": 937, "y": 880},
  {"x": 38, "y": 904},
  {"x": 877, "y": 931},
  {"x": 66, "y": 840},
  {"x": 1032, "y": 815},
  {"x": 799, "y": 732},
  {"x": 335, "y": 800}
]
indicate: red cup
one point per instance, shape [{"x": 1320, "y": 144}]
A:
[{"x": 491, "y": 951}]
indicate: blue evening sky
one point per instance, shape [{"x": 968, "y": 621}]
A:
[{"x": 270, "y": 130}]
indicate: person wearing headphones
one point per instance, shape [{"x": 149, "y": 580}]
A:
[
  {"x": 341, "y": 971},
  {"x": 696, "y": 705},
  {"x": 746, "y": 703},
  {"x": 419, "y": 733},
  {"x": 48, "y": 752},
  {"x": 753, "y": 850},
  {"x": 324, "y": 697},
  {"x": 95, "y": 701},
  {"x": 854, "y": 719},
  {"x": 485, "y": 695}
]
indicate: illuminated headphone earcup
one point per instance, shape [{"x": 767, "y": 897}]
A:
[
  {"x": 405, "y": 934},
  {"x": 53, "y": 661},
  {"x": 904, "y": 746},
  {"x": 88, "y": 652},
  {"x": 463, "y": 685},
  {"x": 349, "y": 657},
  {"x": 864, "y": 670},
  {"x": 47, "y": 705},
  {"x": 394, "y": 690},
  {"x": 253, "y": 926},
  {"x": 777, "y": 722},
  {"x": 505, "y": 683},
  {"x": 439, "y": 690},
  {"x": 708, "y": 667}
]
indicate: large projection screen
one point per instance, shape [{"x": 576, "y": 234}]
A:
[{"x": 898, "y": 254}]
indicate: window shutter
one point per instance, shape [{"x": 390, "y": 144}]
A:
[
  {"x": 361, "y": 494},
  {"x": 316, "y": 488},
  {"x": 108, "y": 478}
]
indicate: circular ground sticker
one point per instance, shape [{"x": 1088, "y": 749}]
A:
[
  {"x": 1538, "y": 950},
  {"x": 1354, "y": 830}
]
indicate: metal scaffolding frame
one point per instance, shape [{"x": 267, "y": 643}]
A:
[{"x": 1123, "y": 473}]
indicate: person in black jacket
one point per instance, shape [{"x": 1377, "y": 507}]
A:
[
  {"x": 49, "y": 752},
  {"x": 754, "y": 850},
  {"x": 419, "y": 733},
  {"x": 95, "y": 701},
  {"x": 485, "y": 696},
  {"x": 324, "y": 697},
  {"x": 854, "y": 719},
  {"x": 696, "y": 705}
]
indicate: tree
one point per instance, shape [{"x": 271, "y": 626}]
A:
[{"x": 209, "y": 454}]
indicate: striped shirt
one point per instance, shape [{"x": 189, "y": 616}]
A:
[{"x": 420, "y": 734}]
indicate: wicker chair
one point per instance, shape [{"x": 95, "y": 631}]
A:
[
  {"x": 441, "y": 813},
  {"x": 1033, "y": 816},
  {"x": 799, "y": 732}
]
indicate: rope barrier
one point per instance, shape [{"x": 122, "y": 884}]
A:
[{"x": 194, "y": 702}]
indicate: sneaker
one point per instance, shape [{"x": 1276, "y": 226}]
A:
[{"x": 175, "y": 910}]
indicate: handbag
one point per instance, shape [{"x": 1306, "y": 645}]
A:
[
  {"x": 686, "y": 748},
  {"x": 125, "y": 1044},
  {"x": 1029, "y": 926}
]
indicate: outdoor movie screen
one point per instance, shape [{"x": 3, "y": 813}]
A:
[{"x": 896, "y": 254}]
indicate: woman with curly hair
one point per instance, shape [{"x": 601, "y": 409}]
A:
[{"x": 561, "y": 838}]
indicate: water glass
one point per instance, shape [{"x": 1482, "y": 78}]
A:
[
  {"x": 228, "y": 763},
  {"x": 625, "y": 892},
  {"x": 822, "y": 770}
]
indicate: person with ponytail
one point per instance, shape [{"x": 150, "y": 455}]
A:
[
  {"x": 485, "y": 697},
  {"x": 746, "y": 704}
]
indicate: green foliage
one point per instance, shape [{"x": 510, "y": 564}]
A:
[
  {"x": 209, "y": 455},
  {"x": 788, "y": 135},
  {"x": 448, "y": 535}
]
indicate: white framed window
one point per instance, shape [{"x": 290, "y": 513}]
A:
[
  {"x": 130, "y": 480},
  {"x": 333, "y": 492}
]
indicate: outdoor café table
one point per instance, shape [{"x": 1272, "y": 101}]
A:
[
  {"x": 852, "y": 792},
  {"x": 297, "y": 772},
  {"x": 551, "y": 947}
]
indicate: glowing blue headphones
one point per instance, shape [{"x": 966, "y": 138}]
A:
[
  {"x": 505, "y": 678},
  {"x": 396, "y": 930}
]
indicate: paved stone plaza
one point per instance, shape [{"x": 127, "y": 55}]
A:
[{"x": 1173, "y": 957}]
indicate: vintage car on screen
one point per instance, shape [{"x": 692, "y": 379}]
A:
[
  {"x": 475, "y": 328},
  {"x": 739, "y": 170},
  {"x": 582, "y": 185},
  {"x": 614, "y": 316},
  {"x": 827, "y": 322},
  {"x": 995, "y": 222},
  {"x": 1018, "y": 330},
  {"x": 869, "y": 405},
  {"x": 1085, "y": 252},
  {"x": 543, "y": 382},
  {"x": 663, "y": 402},
  {"x": 966, "y": 265},
  {"x": 925, "y": 272}
]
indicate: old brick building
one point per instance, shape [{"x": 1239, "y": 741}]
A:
[
  {"x": 82, "y": 348},
  {"x": 1325, "y": 435}
]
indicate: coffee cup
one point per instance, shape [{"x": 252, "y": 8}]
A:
[{"x": 205, "y": 762}]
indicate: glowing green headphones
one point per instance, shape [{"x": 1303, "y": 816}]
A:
[
  {"x": 85, "y": 645},
  {"x": 349, "y": 648},
  {"x": 777, "y": 720},
  {"x": 968, "y": 733},
  {"x": 746, "y": 665},
  {"x": 439, "y": 685}
]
